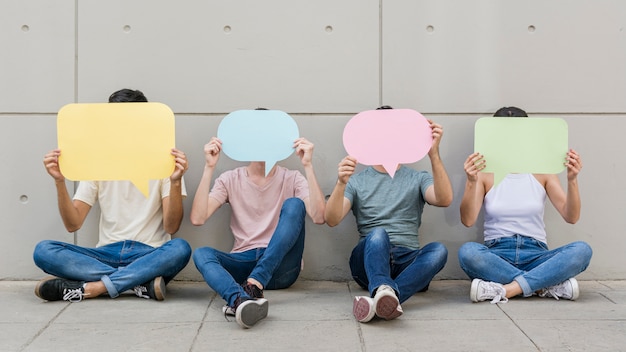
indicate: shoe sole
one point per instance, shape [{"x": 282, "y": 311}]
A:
[
  {"x": 362, "y": 308},
  {"x": 575, "y": 289},
  {"x": 474, "y": 290},
  {"x": 386, "y": 307},
  {"x": 40, "y": 283},
  {"x": 251, "y": 312},
  {"x": 159, "y": 289}
]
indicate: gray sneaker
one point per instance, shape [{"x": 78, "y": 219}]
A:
[
  {"x": 250, "y": 311},
  {"x": 486, "y": 290},
  {"x": 567, "y": 289}
]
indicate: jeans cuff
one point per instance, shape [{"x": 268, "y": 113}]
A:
[
  {"x": 524, "y": 285},
  {"x": 110, "y": 287}
]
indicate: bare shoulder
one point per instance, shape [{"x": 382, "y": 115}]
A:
[{"x": 486, "y": 180}]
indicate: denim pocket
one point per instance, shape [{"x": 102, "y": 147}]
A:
[{"x": 492, "y": 243}]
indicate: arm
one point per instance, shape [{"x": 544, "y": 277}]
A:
[
  {"x": 338, "y": 205},
  {"x": 204, "y": 206},
  {"x": 73, "y": 213},
  {"x": 568, "y": 205},
  {"x": 440, "y": 193},
  {"x": 474, "y": 189},
  {"x": 314, "y": 204},
  {"x": 173, "y": 203}
]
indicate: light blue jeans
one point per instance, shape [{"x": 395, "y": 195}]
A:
[
  {"x": 275, "y": 267},
  {"x": 121, "y": 265},
  {"x": 525, "y": 260},
  {"x": 375, "y": 261}
]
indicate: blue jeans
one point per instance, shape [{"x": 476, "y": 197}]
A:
[
  {"x": 275, "y": 267},
  {"x": 120, "y": 266},
  {"x": 525, "y": 260},
  {"x": 375, "y": 261}
]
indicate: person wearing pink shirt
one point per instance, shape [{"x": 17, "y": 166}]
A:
[{"x": 267, "y": 222}]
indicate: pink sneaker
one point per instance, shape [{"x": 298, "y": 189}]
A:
[{"x": 363, "y": 308}]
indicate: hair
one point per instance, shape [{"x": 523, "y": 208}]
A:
[
  {"x": 260, "y": 109},
  {"x": 510, "y": 111},
  {"x": 128, "y": 96},
  {"x": 384, "y": 107}
]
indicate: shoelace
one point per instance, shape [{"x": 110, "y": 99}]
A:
[
  {"x": 73, "y": 295},
  {"x": 140, "y": 290},
  {"x": 554, "y": 292},
  {"x": 498, "y": 293}
]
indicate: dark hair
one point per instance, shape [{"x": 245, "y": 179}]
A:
[
  {"x": 128, "y": 96},
  {"x": 384, "y": 107},
  {"x": 260, "y": 109},
  {"x": 510, "y": 111}
]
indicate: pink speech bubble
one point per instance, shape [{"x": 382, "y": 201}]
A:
[{"x": 388, "y": 137}]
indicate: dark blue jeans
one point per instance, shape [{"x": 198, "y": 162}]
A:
[
  {"x": 525, "y": 260},
  {"x": 375, "y": 261},
  {"x": 121, "y": 265},
  {"x": 275, "y": 267}
]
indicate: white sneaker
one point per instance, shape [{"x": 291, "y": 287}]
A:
[
  {"x": 484, "y": 290},
  {"x": 363, "y": 308},
  {"x": 567, "y": 289},
  {"x": 386, "y": 303}
]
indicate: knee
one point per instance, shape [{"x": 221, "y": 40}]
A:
[
  {"x": 42, "y": 250},
  {"x": 377, "y": 235},
  {"x": 181, "y": 248},
  {"x": 440, "y": 251},
  {"x": 293, "y": 207},
  {"x": 468, "y": 250},
  {"x": 204, "y": 255},
  {"x": 583, "y": 251}
]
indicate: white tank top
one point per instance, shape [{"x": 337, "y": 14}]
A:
[{"x": 515, "y": 206}]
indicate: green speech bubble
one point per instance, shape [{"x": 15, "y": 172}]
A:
[{"x": 521, "y": 145}]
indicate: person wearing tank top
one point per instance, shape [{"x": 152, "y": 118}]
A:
[{"x": 515, "y": 259}]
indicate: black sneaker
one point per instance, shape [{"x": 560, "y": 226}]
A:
[
  {"x": 250, "y": 311},
  {"x": 57, "y": 289},
  {"x": 252, "y": 290},
  {"x": 155, "y": 289}
]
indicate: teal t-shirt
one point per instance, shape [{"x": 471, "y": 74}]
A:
[{"x": 395, "y": 204}]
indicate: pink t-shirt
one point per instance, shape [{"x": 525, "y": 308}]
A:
[{"x": 255, "y": 210}]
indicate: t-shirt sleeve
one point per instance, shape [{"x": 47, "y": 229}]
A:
[
  {"x": 166, "y": 184},
  {"x": 349, "y": 191},
  {"x": 301, "y": 186},
  {"x": 87, "y": 192},
  {"x": 219, "y": 191},
  {"x": 426, "y": 181}
]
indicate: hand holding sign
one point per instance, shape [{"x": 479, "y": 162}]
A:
[
  {"x": 111, "y": 142},
  {"x": 258, "y": 135},
  {"x": 521, "y": 145},
  {"x": 388, "y": 137}
]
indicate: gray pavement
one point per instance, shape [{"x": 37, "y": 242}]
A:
[{"x": 315, "y": 316}]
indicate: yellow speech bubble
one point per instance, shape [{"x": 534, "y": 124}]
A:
[{"x": 116, "y": 141}]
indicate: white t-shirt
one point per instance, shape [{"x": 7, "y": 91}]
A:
[{"x": 126, "y": 214}]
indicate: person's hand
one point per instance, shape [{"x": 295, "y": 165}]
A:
[
  {"x": 437, "y": 134},
  {"x": 51, "y": 162},
  {"x": 473, "y": 165},
  {"x": 304, "y": 150},
  {"x": 181, "y": 164},
  {"x": 573, "y": 164},
  {"x": 346, "y": 169},
  {"x": 212, "y": 152}
]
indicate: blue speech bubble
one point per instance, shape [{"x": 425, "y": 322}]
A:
[{"x": 258, "y": 135}]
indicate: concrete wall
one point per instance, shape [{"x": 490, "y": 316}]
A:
[{"x": 322, "y": 62}]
